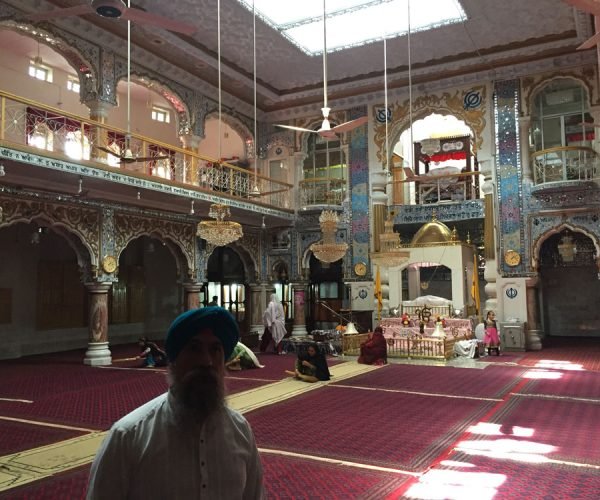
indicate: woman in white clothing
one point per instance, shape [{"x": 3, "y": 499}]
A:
[{"x": 274, "y": 321}]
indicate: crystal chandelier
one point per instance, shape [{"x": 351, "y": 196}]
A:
[
  {"x": 327, "y": 250},
  {"x": 219, "y": 232},
  {"x": 390, "y": 253}
]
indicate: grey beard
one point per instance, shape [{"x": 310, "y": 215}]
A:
[{"x": 198, "y": 394}]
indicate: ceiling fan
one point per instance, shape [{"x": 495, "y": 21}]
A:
[
  {"x": 592, "y": 7},
  {"x": 117, "y": 9},
  {"x": 126, "y": 155},
  {"x": 326, "y": 130}
]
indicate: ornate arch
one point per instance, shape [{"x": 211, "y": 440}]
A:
[
  {"x": 531, "y": 86},
  {"x": 538, "y": 242},
  {"x": 447, "y": 104},
  {"x": 161, "y": 87},
  {"x": 235, "y": 123},
  {"x": 78, "y": 226},
  {"x": 84, "y": 64},
  {"x": 179, "y": 237}
]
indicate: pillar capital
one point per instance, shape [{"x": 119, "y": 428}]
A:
[{"x": 190, "y": 141}]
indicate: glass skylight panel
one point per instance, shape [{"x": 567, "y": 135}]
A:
[{"x": 352, "y": 22}]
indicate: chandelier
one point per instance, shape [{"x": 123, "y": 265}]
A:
[
  {"x": 219, "y": 232},
  {"x": 390, "y": 253},
  {"x": 327, "y": 250}
]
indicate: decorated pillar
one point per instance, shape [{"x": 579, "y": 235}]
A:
[
  {"x": 490, "y": 272},
  {"x": 191, "y": 293},
  {"x": 299, "y": 329},
  {"x": 524, "y": 124},
  {"x": 99, "y": 111},
  {"x": 188, "y": 170},
  {"x": 533, "y": 334},
  {"x": 257, "y": 307},
  {"x": 98, "y": 353}
]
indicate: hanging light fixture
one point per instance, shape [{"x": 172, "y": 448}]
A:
[
  {"x": 390, "y": 253},
  {"x": 219, "y": 232},
  {"x": 327, "y": 250},
  {"x": 254, "y": 192}
]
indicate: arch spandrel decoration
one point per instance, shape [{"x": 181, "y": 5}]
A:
[
  {"x": 531, "y": 85},
  {"x": 446, "y": 104},
  {"x": 79, "y": 226},
  {"x": 81, "y": 55},
  {"x": 539, "y": 241},
  {"x": 235, "y": 122},
  {"x": 170, "y": 91},
  {"x": 182, "y": 235}
]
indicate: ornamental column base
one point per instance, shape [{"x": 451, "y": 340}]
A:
[
  {"x": 299, "y": 331},
  {"x": 98, "y": 354},
  {"x": 533, "y": 340}
]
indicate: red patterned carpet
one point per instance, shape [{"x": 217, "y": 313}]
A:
[
  {"x": 96, "y": 407},
  {"x": 566, "y": 383},
  {"x": 548, "y": 421},
  {"x": 296, "y": 478},
  {"x": 20, "y": 436},
  {"x": 578, "y": 351},
  {"x": 491, "y": 382},
  {"x": 523, "y": 445},
  {"x": 484, "y": 477},
  {"x": 406, "y": 431},
  {"x": 68, "y": 486}
]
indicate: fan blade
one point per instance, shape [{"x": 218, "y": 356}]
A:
[
  {"x": 68, "y": 12},
  {"x": 107, "y": 150},
  {"x": 299, "y": 129},
  {"x": 150, "y": 158},
  {"x": 590, "y": 42},
  {"x": 350, "y": 125},
  {"x": 148, "y": 19}
]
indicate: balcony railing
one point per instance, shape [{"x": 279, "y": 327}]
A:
[
  {"x": 567, "y": 163},
  {"x": 32, "y": 126},
  {"x": 322, "y": 191}
]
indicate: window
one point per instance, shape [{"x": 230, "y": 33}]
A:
[
  {"x": 160, "y": 114},
  {"x": 324, "y": 172},
  {"x": 73, "y": 84},
  {"x": 40, "y": 71},
  {"x": 76, "y": 148},
  {"x": 41, "y": 137}
]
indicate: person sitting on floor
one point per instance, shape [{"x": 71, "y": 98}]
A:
[
  {"x": 311, "y": 366},
  {"x": 151, "y": 354},
  {"x": 373, "y": 351},
  {"x": 242, "y": 358}
]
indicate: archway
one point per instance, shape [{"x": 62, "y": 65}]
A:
[
  {"x": 325, "y": 293},
  {"x": 43, "y": 302},
  {"x": 148, "y": 294},
  {"x": 570, "y": 288},
  {"x": 450, "y": 152},
  {"x": 226, "y": 276}
]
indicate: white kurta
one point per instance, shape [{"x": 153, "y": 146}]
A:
[
  {"x": 274, "y": 320},
  {"x": 146, "y": 455}
]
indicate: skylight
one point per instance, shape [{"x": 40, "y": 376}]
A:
[{"x": 351, "y": 23}]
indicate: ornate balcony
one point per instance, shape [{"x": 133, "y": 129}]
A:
[{"x": 564, "y": 167}]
